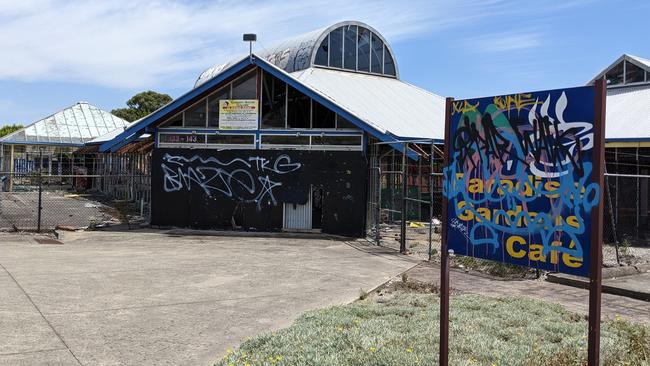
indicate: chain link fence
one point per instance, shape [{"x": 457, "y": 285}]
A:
[
  {"x": 42, "y": 192},
  {"x": 407, "y": 187},
  {"x": 33, "y": 202},
  {"x": 626, "y": 229}
]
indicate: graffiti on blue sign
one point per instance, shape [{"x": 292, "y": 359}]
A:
[{"x": 519, "y": 182}]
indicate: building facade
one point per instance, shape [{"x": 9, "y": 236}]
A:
[
  {"x": 627, "y": 148},
  {"x": 280, "y": 140}
]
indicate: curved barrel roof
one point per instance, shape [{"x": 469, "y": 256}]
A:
[{"x": 297, "y": 53}]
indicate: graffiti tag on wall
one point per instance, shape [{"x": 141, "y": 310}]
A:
[
  {"x": 519, "y": 181},
  {"x": 250, "y": 180}
]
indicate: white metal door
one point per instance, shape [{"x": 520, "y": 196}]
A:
[{"x": 298, "y": 217}]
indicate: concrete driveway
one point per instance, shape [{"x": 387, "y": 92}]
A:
[{"x": 148, "y": 297}]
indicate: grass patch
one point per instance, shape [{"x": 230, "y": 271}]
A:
[{"x": 403, "y": 330}]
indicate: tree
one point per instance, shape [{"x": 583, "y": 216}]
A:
[
  {"x": 7, "y": 129},
  {"x": 142, "y": 104}
]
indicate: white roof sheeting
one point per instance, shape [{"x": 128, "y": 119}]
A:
[
  {"x": 628, "y": 113},
  {"x": 640, "y": 60},
  {"x": 111, "y": 135},
  {"x": 387, "y": 104},
  {"x": 74, "y": 125}
]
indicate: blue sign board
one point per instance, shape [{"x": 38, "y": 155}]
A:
[{"x": 519, "y": 182}]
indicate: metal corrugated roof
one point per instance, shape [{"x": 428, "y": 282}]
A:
[
  {"x": 387, "y": 104},
  {"x": 75, "y": 125},
  {"x": 628, "y": 113},
  {"x": 639, "y": 61}
]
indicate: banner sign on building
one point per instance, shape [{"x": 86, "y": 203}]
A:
[
  {"x": 519, "y": 183},
  {"x": 238, "y": 114}
]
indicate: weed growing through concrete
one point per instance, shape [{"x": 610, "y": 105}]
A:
[
  {"x": 493, "y": 268},
  {"x": 402, "y": 329},
  {"x": 363, "y": 294}
]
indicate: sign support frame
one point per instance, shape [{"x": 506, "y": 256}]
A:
[
  {"x": 596, "y": 242},
  {"x": 596, "y": 247},
  {"x": 444, "y": 251}
]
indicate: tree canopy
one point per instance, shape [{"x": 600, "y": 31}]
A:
[
  {"x": 142, "y": 104},
  {"x": 7, "y": 129}
]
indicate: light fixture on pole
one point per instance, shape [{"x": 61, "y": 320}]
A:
[{"x": 250, "y": 38}]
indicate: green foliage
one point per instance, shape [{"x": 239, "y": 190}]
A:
[
  {"x": 141, "y": 105},
  {"x": 403, "y": 330},
  {"x": 625, "y": 246},
  {"x": 7, "y": 129}
]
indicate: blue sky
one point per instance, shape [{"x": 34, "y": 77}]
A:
[{"x": 58, "y": 52}]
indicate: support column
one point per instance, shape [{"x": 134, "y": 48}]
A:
[
  {"x": 430, "y": 198},
  {"x": 10, "y": 186},
  {"x": 402, "y": 239}
]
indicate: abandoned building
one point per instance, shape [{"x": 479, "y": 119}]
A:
[
  {"x": 627, "y": 146},
  {"x": 308, "y": 135},
  {"x": 51, "y": 143},
  {"x": 283, "y": 139}
]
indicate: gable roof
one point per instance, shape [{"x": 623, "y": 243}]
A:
[
  {"x": 644, "y": 61},
  {"x": 136, "y": 130},
  {"x": 72, "y": 126},
  {"x": 638, "y": 61},
  {"x": 387, "y": 108}
]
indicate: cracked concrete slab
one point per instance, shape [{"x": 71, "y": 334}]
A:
[{"x": 145, "y": 297}]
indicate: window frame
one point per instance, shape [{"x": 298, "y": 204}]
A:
[
  {"x": 267, "y": 146},
  {"x": 371, "y": 34},
  {"x": 180, "y": 144},
  {"x": 311, "y": 146},
  {"x": 230, "y": 146},
  {"x": 204, "y": 144},
  {"x": 206, "y": 98},
  {"x": 625, "y": 82},
  {"x": 185, "y": 110},
  {"x": 311, "y": 115}
]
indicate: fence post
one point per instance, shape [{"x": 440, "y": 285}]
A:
[
  {"x": 431, "y": 197},
  {"x": 402, "y": 239},
  {"x": 10, "y": 185},
  {"x": 378, "y": 206},
  {"x": 611, "y": 216},
  {"x": 40, "y": 190}
]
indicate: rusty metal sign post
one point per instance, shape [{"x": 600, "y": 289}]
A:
[
  {"x": 523, "y": 184},
  {"x": 596, "y": 263}
]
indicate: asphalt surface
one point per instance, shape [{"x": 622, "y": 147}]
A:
[{"x": 20, "y": 210}]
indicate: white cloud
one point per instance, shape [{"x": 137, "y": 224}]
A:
[
  {"x": 503, "y": 42},
  {"x": 133, "y": 43},
  {"x": 136, "y": 43}
]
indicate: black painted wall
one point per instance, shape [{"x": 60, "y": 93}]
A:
[{"x": 210, "y": 189}]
